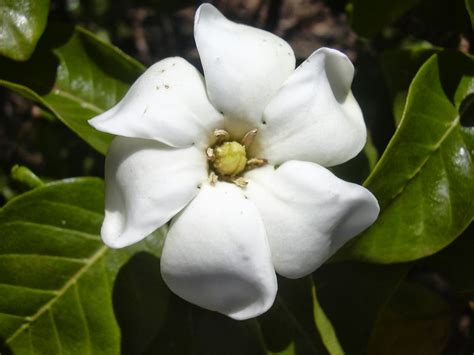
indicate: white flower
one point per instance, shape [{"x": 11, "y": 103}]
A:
[{"x": 236, "y": 220}]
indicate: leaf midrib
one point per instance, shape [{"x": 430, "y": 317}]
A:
[
  {"x": 82, "y": 103},
  {"x": 417, "y": 171},
  {"x": 92, "y": 260}
]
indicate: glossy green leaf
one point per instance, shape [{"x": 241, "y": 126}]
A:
[
  {"x": 368, "y": 17},
  {"x": 21, "y": 24},
  {"x": 424, "y": 181},
  {"x": 74, "y": 75},
  {"x": 62, "y": 290}
]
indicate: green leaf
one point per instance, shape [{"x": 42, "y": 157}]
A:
[
  {"x": 400, "y": 66},
  {"x": 188, "y": 329},
  {"x": 455, "y": 264},
  {"x": 21, "y": 24},
  {"x": 62, "y": 289},
  {"x": 470, "y": 10},
  {"x": 289, "y": 327},
  {"x": 381, "y": 309},
  {"x": 368, "y": 17},
  {"x": 424, "y": 181},
  {"x": 26, "y": 177},
  {"x": 416, "y": 320},
  {"x": 325, "y": 327},
  {"x": 74, "y": 75},
  {"x": 214, "y": 333},
  {"x": 289, "y": 350},
  {"x": 352, "y": 295}
]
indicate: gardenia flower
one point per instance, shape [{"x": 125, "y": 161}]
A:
[{"x": 237, "y": 161}]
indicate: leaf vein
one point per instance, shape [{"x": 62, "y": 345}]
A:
[
  {"x": 100, "y": 252},
  {"x": 55, "y": 331},
  {"x": 83, "y": 317}
]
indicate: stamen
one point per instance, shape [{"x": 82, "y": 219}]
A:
[
  {"x": 249, "y": 137},
  {"x": 256, "y": 162},
  {"x": 240, "y": 182},
  {"x": 221, "y": 135},
  {"x": 212, "y": 178},
  {"x": 210, "y": 154}
]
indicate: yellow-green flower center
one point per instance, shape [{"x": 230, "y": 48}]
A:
[{"x": 230, "y": 158}]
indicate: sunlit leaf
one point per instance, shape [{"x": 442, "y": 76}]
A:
[
  {"x": 21, "y": 24},
  {"x": 26, "y": 177},
  {"x": 424, "y": 181},
  {"x": 61, "y": 287}
]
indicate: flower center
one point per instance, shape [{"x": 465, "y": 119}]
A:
[{"x": 228, "y": 158}]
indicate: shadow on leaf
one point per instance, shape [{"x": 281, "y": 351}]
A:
[
  {"x": 140, "y": 300},
  {"x": 39, "y": 72},
  {"x": 289, "y": 323},
  {"x": 453, "y": 66},
  {"x": 4, "y": 349},
  {"x": 191, "y": 330}
]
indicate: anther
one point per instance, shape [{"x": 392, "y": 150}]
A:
[
  {"x": 222, "y": 135},
  {"x": 212, "y": 178},
  {"x": 249, "y": 137},
  {"x": 240, "y": 182},
  {"x": 256, "y": 162},
  {"x": 210, "y": 154}
]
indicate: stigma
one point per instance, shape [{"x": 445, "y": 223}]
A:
[{"x": 228, "y": 159}]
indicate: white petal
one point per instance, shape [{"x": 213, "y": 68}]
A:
[
  {"x": 243, "y": 66},
  {"x": 315, "y": 117},
  {"x": 216, "y": 254},
  {"x": 167, "y": 103},
  {"x": 308, "y": 213},
  {"x": 147, "y": 183}
]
